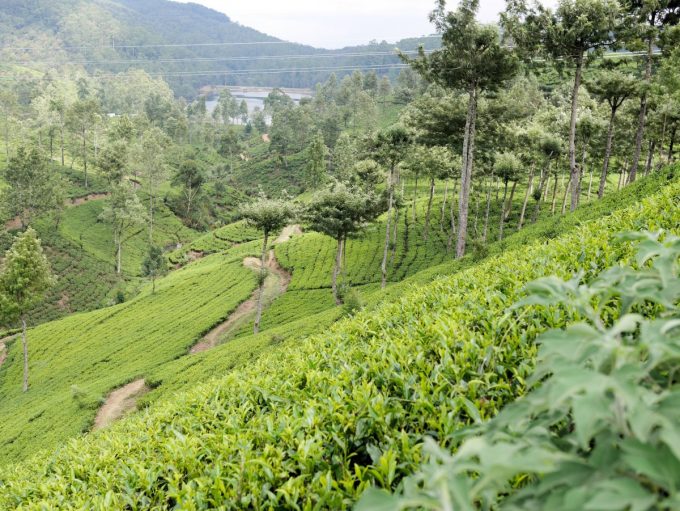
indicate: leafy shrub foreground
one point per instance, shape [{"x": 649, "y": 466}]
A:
[
  {"x": 314, "y": 425},
  {"x": 601, "y": 427}
]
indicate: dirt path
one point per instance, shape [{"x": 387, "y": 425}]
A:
[
  {"x": 3, "y": 353},
  {"x": 288, "y": 233},
  {"x": 119, "y": 403},
  {"x": 3, "y": 348},
  {"x": 15, "y": 223},
  {"x": 276, "y": 284}
]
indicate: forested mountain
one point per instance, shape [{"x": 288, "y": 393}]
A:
[{"x": 189, "y": 44}]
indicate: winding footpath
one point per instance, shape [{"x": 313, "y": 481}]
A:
[
  {"x": 15, "y": 223},
  {"x": 123, "y": 400},
  {"x": 119, "y": 403}
]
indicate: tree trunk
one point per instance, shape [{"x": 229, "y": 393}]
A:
[
  {"x": 336, "y": 270},
  {"x": 554, "y": 195},
  {"x": 488, "y": 210},
  {"x": 415, "y": 197},
  {"x": 502, "y": 222},
  {"x": 452, "y": 212},
  {"x": 545, "y": 175},
  {"x": 119, "y": 250},
  {"x": 650, "y": 157},
  {"x": 151, "y": 211},
  {"x": 672, "y": 144},
  {"x": 573, "y": 167},
  {"x": 383, "y": 266},
  {"x": 85, "y": 156},
  {"x": 395, "y": 232},
  {"x": 476, "y": 222},
  {"x": 466, "y": 178},
  {"x": 443, "y": 213},
  {"x": 6, "y": 141},
  {"x": 263, "y": 272},
  {"x": 508, "y": 205},
  {"x": 582, "y": 172},
  {"x": 426, "y": 228},
  {"x": 24, "y": 343},
  {"x": 526, "y": 197},
  {"x": 61, "y": 130},
  {"x": 564, "y": 199},
  {"x": 607, "y": 154},
  {"x": 643, "y": 112}
]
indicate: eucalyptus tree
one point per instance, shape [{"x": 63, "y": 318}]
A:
[
  {"x": 571, "y": 35},
  {"x": 154, "y": 265},
  {"x": 391, "y": 148},
  {"x": 149, "y": 155},
  {"x": 229, "y": 145},
  {"x": 434, "y": 163},
  {"x": 507, "y": 167},
  {"x": 81, "y": 118},
  {"x": 436, "y": 119},
  {"x": 471, "y": 59},
  {"x": 25, "y": 278},
  {"x": 123, "y": 212},
  {"x": 191, "y": 178},
  {"x": 31, "y": 187},
  {"x": 647, "y": 21},
  {"x": 344, "y": 156},
  {"x": 113, "y": 161},
  {"x": 316, "y": 155},
  {"x": 550, "y": 148},
  {"x": 268, "y": 216},
  {"x": 341, "y": 212},
  {"x": 613, "y": 87}
]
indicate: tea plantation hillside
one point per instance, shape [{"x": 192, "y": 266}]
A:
[
  {"x": 301, "y": 313},
  {"x": 77, "y": 360},
  {"x": 315, "y": 423},
  {"x": 82, "y": 226}
]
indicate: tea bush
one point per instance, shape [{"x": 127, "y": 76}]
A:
[{"x": 314, "y": 424}]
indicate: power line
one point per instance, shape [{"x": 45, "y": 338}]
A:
[
  {"x": 218, "y": 59},
  {"x": 229, "y": 72},
  {"x": 171, "y": 45}
]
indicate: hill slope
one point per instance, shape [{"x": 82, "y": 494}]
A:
[
  {"x": 167, "y": 37},
  {"x": 315, "y": 423}
]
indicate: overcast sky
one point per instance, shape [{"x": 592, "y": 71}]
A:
[{"x": 339, "y": 23}]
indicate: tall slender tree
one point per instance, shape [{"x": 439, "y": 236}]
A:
[
  {"x": 473, "y": 60},
  {"x": 269, "y": 216},
  {"x": 25, "y": 277},
  {"x": 570, "y": 35},
  {"x": 390, "y": 149},
  {"x": 647, "y": 21},
  {"x": 341, "y": 212},
  {"x": 614, "y": 88}
]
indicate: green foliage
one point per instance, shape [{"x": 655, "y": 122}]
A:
[
  {"x": 80, "y": 226},
  {"x": 32, "y": 187},
  {"x": 317, "y": 422},
  {"x": 102, "y": 350},
  {"x": 317, "y": 153},
  {"x": 599, "y": 428},
  {"x": 268, "y": 215},
  {"x": 25, "y": 277},
  {"x": 154, "y": 265},
  {"x": 341, "y": 212}
]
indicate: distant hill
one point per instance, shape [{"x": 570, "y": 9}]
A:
[{"x": 190, "y": 44}]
